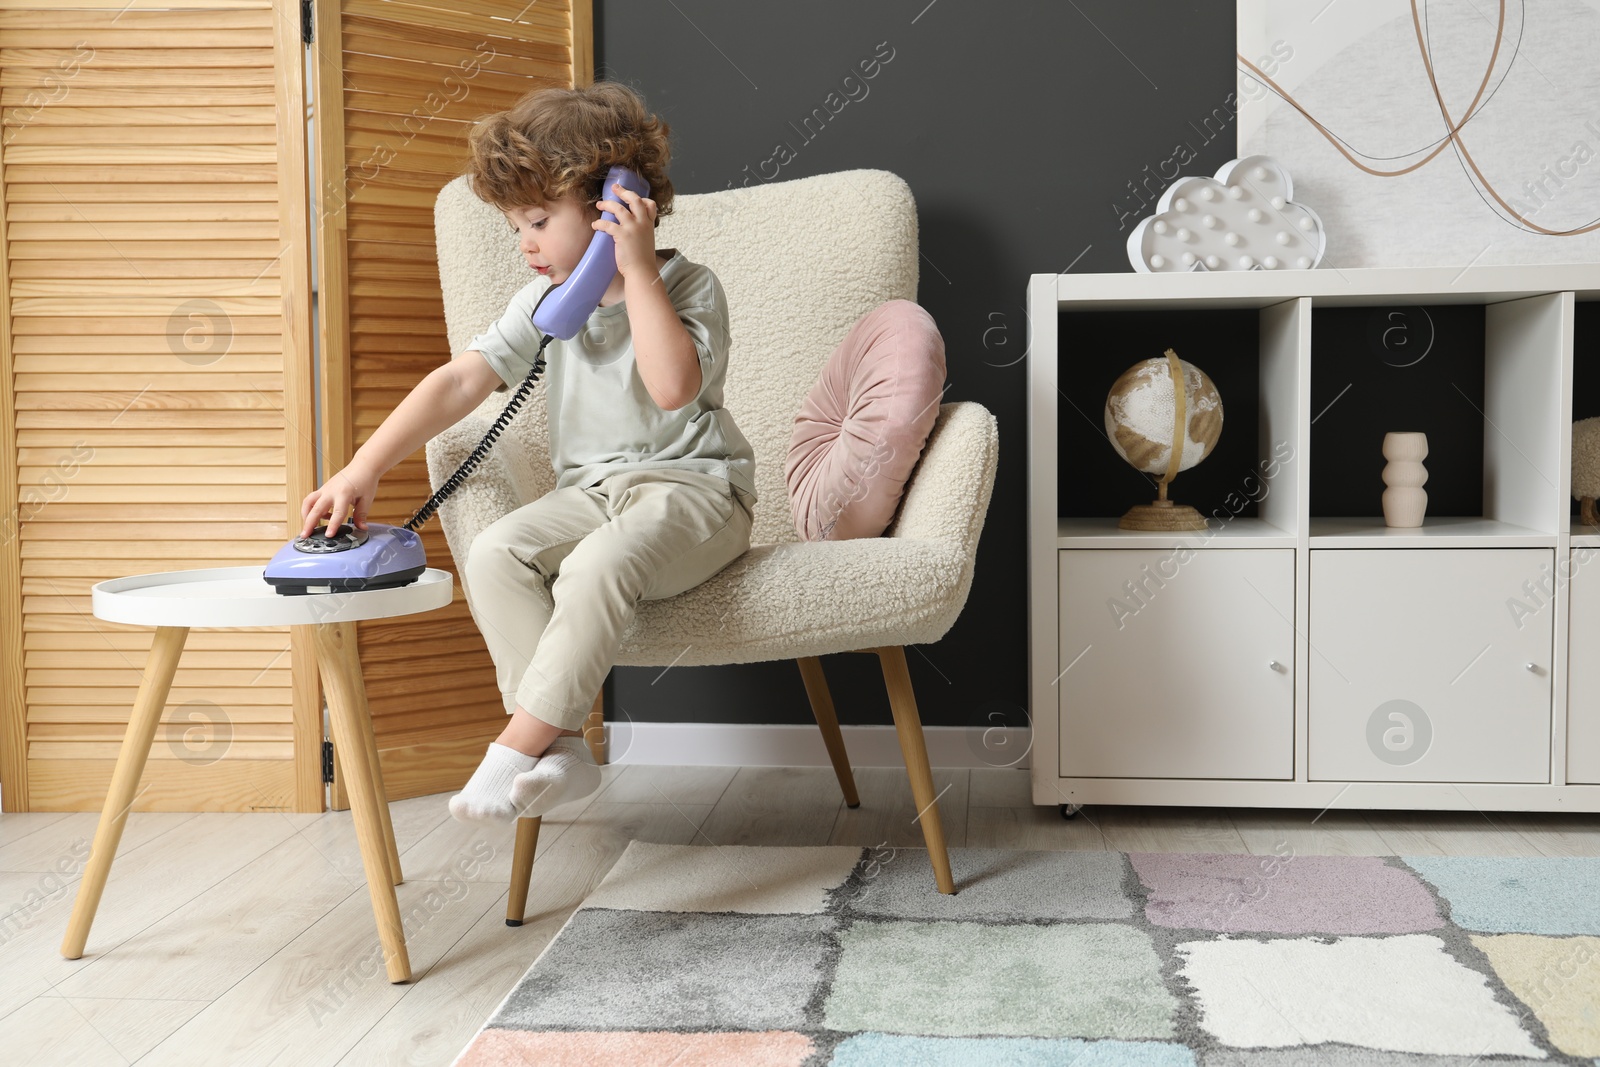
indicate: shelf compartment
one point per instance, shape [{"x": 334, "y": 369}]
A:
[
  {"x": 1482, "y": 380},
  {"x": 1254, "y": 355},
  {"x": 1585, "y": 392},
  {"x": 1419, "y": 673},
  {"x": 1172, "y": 669}
]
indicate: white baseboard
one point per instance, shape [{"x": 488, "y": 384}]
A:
[{"x": 748, "y": 745}]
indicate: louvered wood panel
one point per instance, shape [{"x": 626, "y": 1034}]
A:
[
  {"x": 397, "y": 87},
  {"x": 156, "y": 394}
]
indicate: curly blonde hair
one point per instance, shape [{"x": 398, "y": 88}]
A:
[{"x": 557, "y": 141}]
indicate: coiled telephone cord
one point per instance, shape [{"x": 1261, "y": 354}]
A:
[{"x": 469, "y": 464}]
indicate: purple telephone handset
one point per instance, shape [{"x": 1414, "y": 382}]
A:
[{"x": 566, "y": 307}]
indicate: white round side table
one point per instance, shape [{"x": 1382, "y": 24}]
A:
[{"x": 176, "y": 601}]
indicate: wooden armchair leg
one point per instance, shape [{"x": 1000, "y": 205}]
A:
[
  {"x": 903, "y": 703},
  {"x": 522, "y": 869},
  {"x": 822, "y": 707},
  {"x": 594, "y": 728},
  {"x": 527, "y": 844}
]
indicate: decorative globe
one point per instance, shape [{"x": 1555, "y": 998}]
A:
[{"x": 1140, "y": 415}]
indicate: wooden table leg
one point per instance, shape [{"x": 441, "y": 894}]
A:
[
  {"x": 340, "y": 666},
  {"x": 374, "y": 766},
  {"x": 153, "y": 688},
  {"x": 364, "y": 761}
]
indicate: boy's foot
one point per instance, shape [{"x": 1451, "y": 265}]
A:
[
  {"x": 565, "y": 772},
  {"x": 487, "y": 795}
]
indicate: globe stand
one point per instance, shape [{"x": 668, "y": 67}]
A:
[{"x": 1161, "y": 515}]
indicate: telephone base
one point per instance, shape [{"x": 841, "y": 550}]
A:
[{"x": 310, "y": 586}]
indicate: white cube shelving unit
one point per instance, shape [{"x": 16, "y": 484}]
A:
[{"x": 1291, "y": 659}]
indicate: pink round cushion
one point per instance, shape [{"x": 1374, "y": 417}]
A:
[{"x": 861, "y": 428}]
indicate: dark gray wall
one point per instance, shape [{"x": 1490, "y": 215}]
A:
[{"x": 1033, "y": 136}]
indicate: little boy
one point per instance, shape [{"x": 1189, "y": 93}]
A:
[{"x": 655, "y": 483}]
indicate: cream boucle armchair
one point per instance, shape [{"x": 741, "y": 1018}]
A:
[{"x": 800, "y": 262}]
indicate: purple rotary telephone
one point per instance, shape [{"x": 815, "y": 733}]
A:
[{"x": 383, "y": 556}]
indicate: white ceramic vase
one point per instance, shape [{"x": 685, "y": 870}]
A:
[{"x": 1404, "y": 501}]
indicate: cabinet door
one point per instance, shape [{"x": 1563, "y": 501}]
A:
[
  {"x": 1583, "y": 674},
  {"x": 1424, "y": 670},
  {"x": 1178, "y": 663}
]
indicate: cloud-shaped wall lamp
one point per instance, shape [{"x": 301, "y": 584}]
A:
[{"x": 1245, "y": 218}]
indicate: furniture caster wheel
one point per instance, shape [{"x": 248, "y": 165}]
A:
[{"x": 1069, "y": 810}]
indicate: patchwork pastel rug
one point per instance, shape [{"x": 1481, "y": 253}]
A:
[{"x": 705, "y": 956}]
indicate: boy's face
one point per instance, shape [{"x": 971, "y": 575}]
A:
[{"x": 554, "y": 236}]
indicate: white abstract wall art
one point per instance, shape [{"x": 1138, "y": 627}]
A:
[{"x": 1457, "y": 133}]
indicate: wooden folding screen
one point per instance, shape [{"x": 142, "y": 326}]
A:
[
  {"x": 154, "y": 273},
  {"x": 156, "y": 404},
  {"x": 414, "y": 77}
]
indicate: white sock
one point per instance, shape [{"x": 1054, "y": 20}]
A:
[
  {"x": 487, "y": 795},
  {"x": 565, "y": 772}
]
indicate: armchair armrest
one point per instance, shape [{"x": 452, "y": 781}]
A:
[
  {"x": 948, "y": 493},
  {"x": 503, "y": 481}
]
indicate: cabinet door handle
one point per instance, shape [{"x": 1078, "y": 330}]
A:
[
  {"x": 1534, "y": 667},
  {"x": 1274, "y": 665}
]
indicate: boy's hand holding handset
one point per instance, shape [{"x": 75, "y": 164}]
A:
[{"x": 634, "y": 232}]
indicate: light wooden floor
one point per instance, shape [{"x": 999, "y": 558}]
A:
[{"x": 249, "y": 938}]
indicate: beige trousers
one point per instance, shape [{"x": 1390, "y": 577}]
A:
[{"x": 554, "y": 583}]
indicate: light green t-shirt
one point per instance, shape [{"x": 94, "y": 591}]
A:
[{"x": 602, "y": 419}]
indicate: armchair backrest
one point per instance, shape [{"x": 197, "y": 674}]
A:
[{"x": 800, "y": 262}]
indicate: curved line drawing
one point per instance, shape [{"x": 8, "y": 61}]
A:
[{"x": 1453, "y": 128}]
